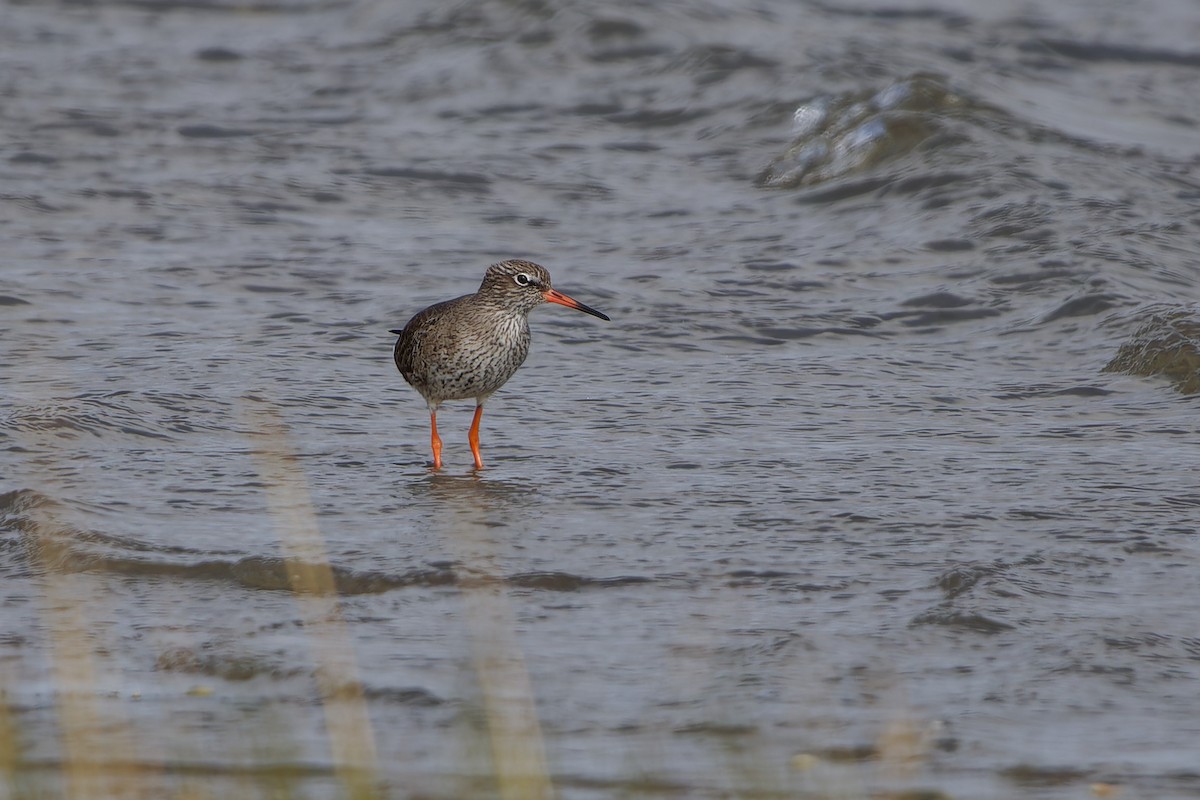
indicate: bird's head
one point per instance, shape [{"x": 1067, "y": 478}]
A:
[{"x": 524, "y": 285}]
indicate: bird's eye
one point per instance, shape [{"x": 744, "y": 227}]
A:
[{"x": 522, "y": 279}]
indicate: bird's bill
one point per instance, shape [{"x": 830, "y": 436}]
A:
[{"x": 555, "y": 296}]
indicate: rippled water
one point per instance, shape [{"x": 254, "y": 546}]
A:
[{"x": 843, "y": 500}]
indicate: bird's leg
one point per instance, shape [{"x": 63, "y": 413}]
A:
[
  {"x": 435, "y": 440},
  {"x": 473, "y": 437}
]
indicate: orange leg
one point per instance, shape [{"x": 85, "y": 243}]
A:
[
  {"x": 435, "y": 440},
  {"x": 473, "y": 437}
]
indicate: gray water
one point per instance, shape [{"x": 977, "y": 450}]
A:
[{"x": 845, "y": 469}]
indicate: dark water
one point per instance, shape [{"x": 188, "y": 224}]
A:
[{"x": 844, "y": 478}]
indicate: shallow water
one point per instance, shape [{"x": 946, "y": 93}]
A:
[{"x": 844, "y": 476}]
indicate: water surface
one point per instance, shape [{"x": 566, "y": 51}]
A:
[{"x": 844, "y": 478}]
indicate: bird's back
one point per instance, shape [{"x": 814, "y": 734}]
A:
[{"x": 413, "y": 337}]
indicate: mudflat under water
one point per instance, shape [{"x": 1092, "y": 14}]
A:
[{"x": 842, "y": 501}]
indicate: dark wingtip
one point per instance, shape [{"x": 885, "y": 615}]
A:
[{"x": 397, "y": 331}]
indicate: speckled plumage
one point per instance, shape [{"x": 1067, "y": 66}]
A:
[{"x": 470, "y": 346}]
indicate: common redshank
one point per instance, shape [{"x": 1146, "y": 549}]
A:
[{"x": 472, "y": 345}]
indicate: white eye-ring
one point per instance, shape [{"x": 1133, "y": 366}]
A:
[{"x": 522, "y": 279}]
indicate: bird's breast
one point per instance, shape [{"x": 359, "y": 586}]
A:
[{"x": 465, "y": 356}]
